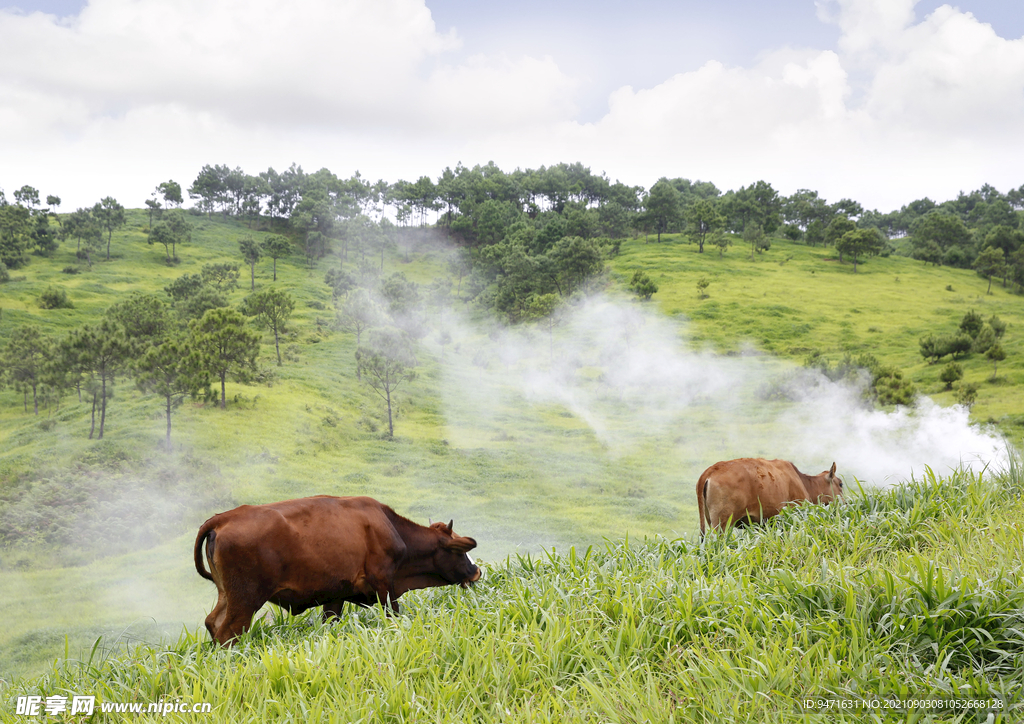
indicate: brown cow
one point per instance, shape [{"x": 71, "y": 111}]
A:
[
  {"x": 750, "y": 490},
  {"x": 322, "y": 551}
]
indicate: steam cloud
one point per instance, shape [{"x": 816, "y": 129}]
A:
[{"x": 628, "y": 373}]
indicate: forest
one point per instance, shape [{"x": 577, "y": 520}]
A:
[
  {"x": 524, "y": 227},
  {"x": 524, "y": 241}
]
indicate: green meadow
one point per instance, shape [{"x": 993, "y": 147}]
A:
[
  {"x": 99, "y": 533},
  {"x": 900, "y": 605},
  {"x": 795, "y": 299}
]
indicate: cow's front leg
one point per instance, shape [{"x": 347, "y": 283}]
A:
[
  {"x": 387, "y": 599},
  {"x": 332, "y": 609}
]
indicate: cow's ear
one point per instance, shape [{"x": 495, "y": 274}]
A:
[
  {"x": 459, "y": 544},
  {"x": 832, "y": 472}
]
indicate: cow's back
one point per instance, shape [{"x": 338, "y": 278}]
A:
[
  {"x": 747, "y": 489},
  {"x": 306, "y": 544}
]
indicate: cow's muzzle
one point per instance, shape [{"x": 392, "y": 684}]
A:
[{"x": 473, "y": 578}]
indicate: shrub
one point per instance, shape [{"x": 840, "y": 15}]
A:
[
  {"x": 934, "y": 348},
  {"x": 184, "y": 287},
  {"x": 339, "y": 281},
  {"x": 5, "y": 276},
  {"x": 792, "y": 232},
  {"x": 890, "y": 387},
  {"x": 611, "y": 247},
  {"x": 207, "y": 298},
  {"x": 967, "y": 394},
  {"x": 951, "y": 373},
  {"x": 886, "y": 385},
  {"x": 69, "y": 270},
  {"x": 971, "y": 323},
  {"x": 642, "y": 284},
  {"x": 996, "y": 354},
  {"x": 960, "y": 345},
  {"x": 955, "y": 257},
  {"x": 984, "y": 339},
  {"x": 998, "y": 326},
  {"x": 929, "y": 252},
  {"x": 54, "y": 298}
]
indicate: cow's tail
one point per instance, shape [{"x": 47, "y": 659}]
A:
[
  {"x": 206, "y": 531},
  {"x": 702, "y": 501}
]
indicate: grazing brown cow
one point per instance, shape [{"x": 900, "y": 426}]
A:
[
  {"x": 750, "y": 490},
  {"x": 322, "y": 551}
]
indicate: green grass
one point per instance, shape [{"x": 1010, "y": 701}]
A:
[
  {"x": 908, "y": 594},
  {"x": 106, "y": 527},
  {"x": 92, "y": 511},
  {"x": 795, "y": 299}
]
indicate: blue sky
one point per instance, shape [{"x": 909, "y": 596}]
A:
[
  {"x": 643, "y": 42},
  {"x": 880, "y": 100}
]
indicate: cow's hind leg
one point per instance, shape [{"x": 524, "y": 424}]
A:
[
  {"x": 216, "y": 617},
  {"x": 332, "y": 610},
  {"x": 713, "y": 508},
  {"x": 235, "y": 621},
  {"x": 239, "y": 609}
]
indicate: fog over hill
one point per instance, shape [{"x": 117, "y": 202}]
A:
[{"x": 628, "y": 373}]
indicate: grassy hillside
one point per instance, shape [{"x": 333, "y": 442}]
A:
[
  {"x": 897, "y": 597},
  {"x": 69, "y": 503},
  {"x": 523, "y": 451},
  {"x": 795, "y": 299}
]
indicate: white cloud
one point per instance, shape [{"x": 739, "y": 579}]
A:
[
  {"x": 868, "y": 25},
  {"x": 351, "y": 64},
  {"x": 131, "y": 92},
  {"x": 133, "y": 88},
  {"x": 498, "y": 94},
  {"x": 744, "y": 107},
  {"x": 728, "y": 125},
  {"x": 305, "y": 61},
  {"x": 951, "y": 74},
  {"x": 933, "y": 108}
]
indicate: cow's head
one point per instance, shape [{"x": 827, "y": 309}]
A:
[
  {"x": 452, "y": 559},
  {"x": 827, "y": 486}
]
